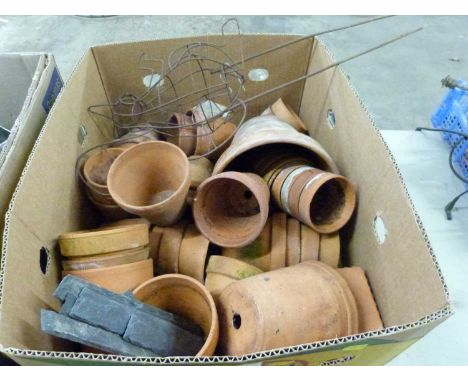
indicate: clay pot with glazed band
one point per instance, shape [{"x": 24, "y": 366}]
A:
[
  {"x": 330, "y": 249},
  {"x": 369, "y": 317},
  {"x": 265, "y": 135},
  {"x": 200, "y": 170},
  {"x": 119, "y": 278},
  {"x": 304, "y": 303},
  {"x": 193, "y": 253},
  {"x": 231, "y": 208},
  {"x": 322, "y": 200},
  {"x": 127, "y": 256},
  {"x": 151, "y": 180},
  {"x": 103, "y": 240},
  {"x": 183, "y": 137},
  {"x": 184, "y": 296},
  {"x": 284, "y": 112}
]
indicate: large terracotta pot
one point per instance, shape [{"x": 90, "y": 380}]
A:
[
  {"x": 322, "y": 200},
  {"x": 231, "y": 209},
  {"x": 184, "y": 296},
  {"x": 304, "y": 303},
  {"x": 266, "y": 135},
  {"x": 284, "y": 112},
  {"x": 151, "y": 180},
  {"x": 119, "y": 278}
]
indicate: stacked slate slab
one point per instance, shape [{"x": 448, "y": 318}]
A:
[{"x": 119, "y": 323}]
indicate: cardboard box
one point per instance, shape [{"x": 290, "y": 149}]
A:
[
  {"x": 386, "y": 236},
  {"x": 29, "y": 85}
]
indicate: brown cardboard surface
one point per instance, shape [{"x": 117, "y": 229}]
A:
[{"x": 402, "y": 272}]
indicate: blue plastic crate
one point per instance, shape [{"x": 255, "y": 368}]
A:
[{"x": 452, "y": 114}]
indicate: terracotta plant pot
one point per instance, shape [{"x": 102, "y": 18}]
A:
[
  {"x": 284, "y": 112},
  {"x": 233, "y": 268},
  {"x": 184, "y": 137},
  {"x": 151, "y": 180},
  {"x": 155, "y": 236},
  {"x": 265, "y": 135},
  {"x": 96, "y": 169},
  {"x": 369, "y": 317},
  {"x": 216, "y": 283},
  {"x": 119, "y": 278},
  {"x": 110, "y": 212},
  {"x": 107, "y": 260},
  {"x": 200, "y": 169},
  {"x": 310, "y": 244},
  {"x": 293, "y": 249},
  {"x": 186, "y": 297},
  {"x": 330, "y": 249},
  {"x": 322, "y": 200},
  {"x": 169, "y": 249},
  {"x": 193, "y": 252},
  {"x": 103, "y": 240},
  {"x": 278, "y": 309},
  {"x": 257, "y": 253},
  {"x": 231, "y": 208},
  {"x": 279, "y": 240}
]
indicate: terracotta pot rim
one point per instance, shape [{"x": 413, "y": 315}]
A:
[
  {"x": 142, "y": 146},
  {"x": 128, "y": 267},
  {"x": 201, "y": 289},
  {"x": 88, "y": 181},
  {"x": 246, "y": 180}
]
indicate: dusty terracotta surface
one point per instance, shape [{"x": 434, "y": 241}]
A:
[
  {"x": 186, "y": 297},
  {"x": 330, "y": 249},
  {"x": 216, "y": 283},
  {"x": 310, "y": 244},
  {"x": 263, "y": 131},
  {"x": 103, "y": 240},
  {"x": 231, "y": 208},
  {"x": 107, "y": 260},
  {"x": 293, "y": 249},
  {"x": 278, "y": 240},
  {"x": 169, "y": 249},
  {"x": 200, "y": 170},
  {"x": 151, "y": 180},
  {"x": 251, "y": 320},
  {"x": 369, "y": 317},
  {"x": 155, "y": 236},
  {"x": 279, "y": 184},
  {"x": 232, "y": 268},
  {"x": 97, "y": 167},
  {"x": 119, "y": 278},
  {"x": 193, "y": 253},
  {"x": 284, "y": 112}
]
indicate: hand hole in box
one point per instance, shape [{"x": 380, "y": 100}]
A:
[
  {"x": 258, "y": 74},
  {"x": 379, "y": 229},
  {"x": 331, "y": 119},
  {"x": 44, "y": 260},
  {"x": 152, "y": 79}
]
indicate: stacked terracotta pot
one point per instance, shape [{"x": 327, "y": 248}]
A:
[{"x": 114, "y": 257}]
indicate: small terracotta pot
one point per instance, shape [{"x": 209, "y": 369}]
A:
[
  {"x": 231, "y": 208},
  {"x": 96, "y": 169},
  {"x": 193, "y": 252},
  {"x": 275, "y": 172},
  {"x": 169, "y": 249},
  {"x": 293, "y": 249},
  {"x": 281, "y": 184},
  {"x": 304, "y": 303},
  {"x": 257, "y": 253},
  {"x": 284, "y": 112},
  {"x": 279, "y": 240},
  {"x": 184, "y": 137},
  {"x": 200, "y": 170},
  {"x": 369, "y": 317},
  {"x": 184, "y": 296},
  {"x": 155, "y": 236},
  {"x": 119, "y": 278},
  {"x": 233, "y": 268},
  {"x": 259, "y": 133},
  {"x": 151, "y": 180},
  {"x": 310, "y": 244},
  {"x": 103, "y": 240},
  {"x": 216, "y": 283},
  {"x": 107, "y": 260},
  {"x": 110, "y": 212},
  {"x": 330, "y": 249}
]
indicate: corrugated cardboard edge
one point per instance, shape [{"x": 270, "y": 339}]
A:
[{"x": 299, "y": 349}]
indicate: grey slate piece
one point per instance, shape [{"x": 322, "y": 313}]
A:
[
  {"x": 71, "y": 287},
  {"x": 161, "y": 336},
  {"x": 64, "y": 327}
]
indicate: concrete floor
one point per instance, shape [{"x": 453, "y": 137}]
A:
[{"x": 400, "y": 84}]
